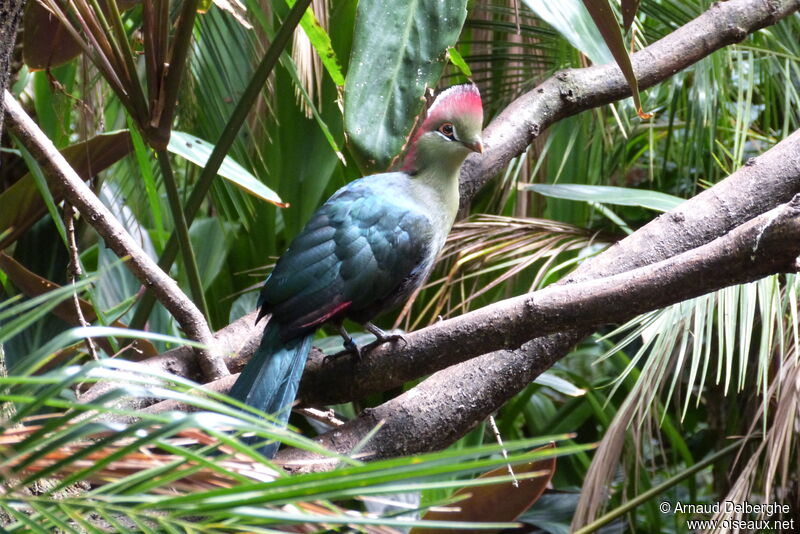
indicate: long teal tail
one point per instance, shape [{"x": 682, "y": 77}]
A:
[{"x": 270, "y": 380}]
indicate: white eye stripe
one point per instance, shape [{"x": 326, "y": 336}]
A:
[
  {"x": 449, "y": 138},
  {"x": 452, "y": 137}
]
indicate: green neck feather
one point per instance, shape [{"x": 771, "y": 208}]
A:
[{"x": 435, "y": 173}]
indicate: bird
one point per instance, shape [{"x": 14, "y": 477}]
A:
[{"x": 363, "y": 252}]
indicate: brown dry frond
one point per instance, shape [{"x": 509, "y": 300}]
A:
[
  {"x": 775, "y": 386},
  {"x": 74, "y": 458},
  {"x": 309, "y": 64},
  {"x": 774, "y": 461}
]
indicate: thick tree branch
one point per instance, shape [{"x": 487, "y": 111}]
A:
[
  {"x": 768, "y": 244},
  {"x": 574, "y": 90},
  {"x": 766, "y": 181},
  {"x": 79, "y": 195},
  {"x": 445, "y": 406}
]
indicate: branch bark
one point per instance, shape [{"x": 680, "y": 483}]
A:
[
  {"x": 767, "y": 244},
  {"x": 770, "y": 179},
  {"x": 10, "y": 15},
  {"x": 574, "y": 90},
  {"x": 77, "y": 193}
]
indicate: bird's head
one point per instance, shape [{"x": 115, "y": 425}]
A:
[{"x": 450, "y": 132}]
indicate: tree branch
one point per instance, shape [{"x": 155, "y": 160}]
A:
[
  {"x": 767, "y": 181},
  {"x": 765, "y": 245},
  {"x": 574, "y": 90},
  {"x": 448, "y": 404},
  {"x": 77, "y": 193},
  {"x": 768, "y": 244}
]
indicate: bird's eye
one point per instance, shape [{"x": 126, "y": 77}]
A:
[{"x": 447, "y": 130}]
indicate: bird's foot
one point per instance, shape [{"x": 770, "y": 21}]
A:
[
  {"x": 381, "y": 337},
  {"x": 350, "y": 347}
]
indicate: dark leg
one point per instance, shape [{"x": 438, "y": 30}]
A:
[
  {"x": 381, "y": 337},
  {"x": 350, "y": 346}
]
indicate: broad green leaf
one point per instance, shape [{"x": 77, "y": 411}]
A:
[
  {"x": 607, "y": 194},
  {"x": 21, "y": 205},
  {"x": 606, "y": 22},
  {"x": 211, "y": 241},
  {"x": 321, "y": 42},
  {"x": 399, "y": 50},
  {"x": 234, "y": 8},
  {"x": 199, "y": 150},
  {"x": 570, "y": 19},
  {"x": 559, "y": 384}
]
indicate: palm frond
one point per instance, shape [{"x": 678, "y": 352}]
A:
[{"x": 487, "y": 251}]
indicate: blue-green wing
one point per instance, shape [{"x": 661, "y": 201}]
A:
[{"x": 357, "y": 249}]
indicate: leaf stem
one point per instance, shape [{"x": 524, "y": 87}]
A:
[
  {"x": 177, "y": 59},
  {"x": 138, "y": 101},
  {"x": 182, "y": 231}
]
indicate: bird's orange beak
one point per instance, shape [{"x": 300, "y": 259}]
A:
[{"x": 477, "y": 146}]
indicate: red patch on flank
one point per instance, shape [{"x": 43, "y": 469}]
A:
[{"x": 336, "y": 309}]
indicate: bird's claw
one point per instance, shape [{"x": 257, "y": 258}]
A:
[
  {"x": 350, "y": 347},
  {"x": 384, "y": 338}
]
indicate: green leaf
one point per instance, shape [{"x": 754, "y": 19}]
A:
[
  {"x": 569, "y": 19},
  {"x": 559, "y": 384},
  {"x": 398, "y": 51},
  {"x": 606, "y": 22},
  {"x": 458, "y": 61},
  {"x": 198, "y": 151},
  {"x": 211, "y": 242},
  {"x": 607, "y": 194},
  {"x": 321, "y": 42}
]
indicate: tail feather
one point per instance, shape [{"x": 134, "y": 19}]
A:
[{"x": 270, "y": 380}]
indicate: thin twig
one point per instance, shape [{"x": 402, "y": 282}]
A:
[
  {"x": 74, "y": 272},
  {"x": 77, "y": 193},
  {"x": 324, "y": 416},
  {"x": 503, "y": 451}
]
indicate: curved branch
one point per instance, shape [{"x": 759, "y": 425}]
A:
[
  {"x": 768, "y": 244},
  {"x": 116, "y": 238}
]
